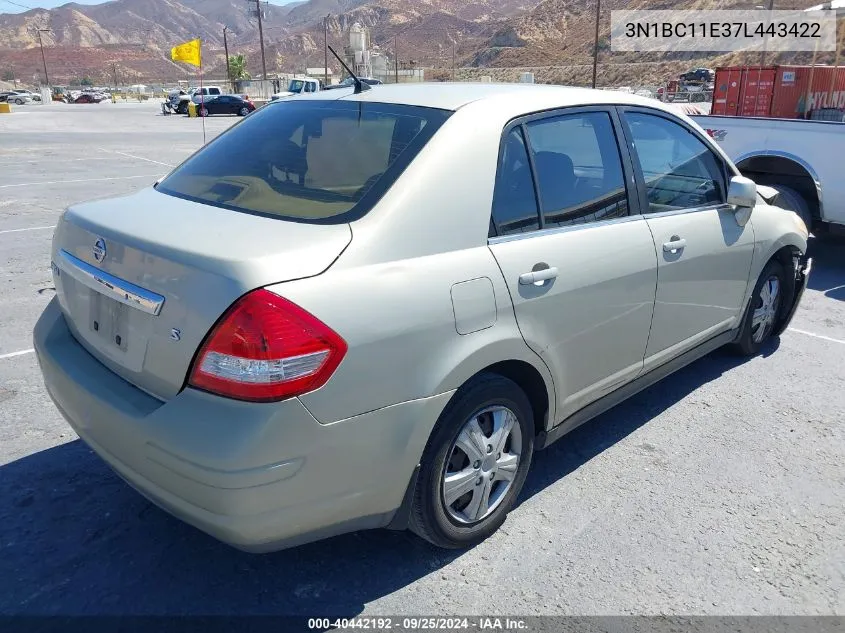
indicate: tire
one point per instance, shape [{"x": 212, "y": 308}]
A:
[
  {"x": 203, "y": 112},
  {"x": 243, "y": 111},
  {"x": 492, "y": 471},
  {"x": 19, "y": 101},
  {"x": 751, "y": 340},
  {"x": 791, "y": 200}
]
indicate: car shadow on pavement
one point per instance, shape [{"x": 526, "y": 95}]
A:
[
  {"x": 76, "y": 540},
  {"x": 585, "y": 442},
  {"x": 828, "y": 274}
]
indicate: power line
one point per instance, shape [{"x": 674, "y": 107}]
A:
[{"x": 17, "y": 4}]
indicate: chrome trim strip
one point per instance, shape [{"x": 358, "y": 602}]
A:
[
  {"x": 112, "y": 287},
  {"x": 665, "y": 214},
  {"x": 500, "y": 239}
]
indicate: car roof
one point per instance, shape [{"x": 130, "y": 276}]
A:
[{"x": 453, "y": 96}]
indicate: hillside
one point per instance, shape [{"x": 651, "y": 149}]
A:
[{"x": 132, "y": 38}]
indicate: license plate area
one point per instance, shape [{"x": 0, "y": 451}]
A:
[{"x": 108, "y": 322}]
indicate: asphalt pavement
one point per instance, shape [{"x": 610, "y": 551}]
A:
[{"x": 720, "y": 490}]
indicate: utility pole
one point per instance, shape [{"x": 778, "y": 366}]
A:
[
  {"x": 326, "y": 50},
  {"x": 114, "y": 74},
  {"x": 596, "y": 43},
  {"x": 261, "y": 37},
  {"x": 396, "y": 58},
  {"x": 454, "y": 55},
  {"x": 44, "y": 59},
  {"x": 226, "y": 52}
]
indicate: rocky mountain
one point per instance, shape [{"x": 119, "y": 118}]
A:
[{"x": 132, "y": 38}]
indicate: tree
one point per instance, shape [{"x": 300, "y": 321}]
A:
[
  {"x": 237, "y": 67},
  {"x": 280, "y": 62},
  {"x": 8, "y": 75},
  {"x": 86, "y": 81}
]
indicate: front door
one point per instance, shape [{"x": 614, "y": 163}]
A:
[
  {"x": 577, "y": 257},
  {"x": 703, "y": 254}
]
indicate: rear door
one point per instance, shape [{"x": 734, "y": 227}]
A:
[
  {"x": 577, "y": 257},
  {"x": 704, "y": 255}
]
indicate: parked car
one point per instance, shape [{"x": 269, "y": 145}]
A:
[
  {"x": 178, "y": 100},
  {"x": 324, "y": 320},
  {"x": 703, "y": 75},
  {"x": 32, "y": 95},
  {"x": 227, "y": 104},
  {"x": 88, "y": 97},
  {"x": 18, "y": 97}
]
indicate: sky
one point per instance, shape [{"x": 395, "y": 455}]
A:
[{"x": 19, "y": 6}]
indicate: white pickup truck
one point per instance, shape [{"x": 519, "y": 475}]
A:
[
  {"x": 798, "y": 158},
  {"x": 300, "y": 85}
]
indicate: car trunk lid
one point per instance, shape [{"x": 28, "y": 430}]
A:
[{"x": 142, "y": 279}]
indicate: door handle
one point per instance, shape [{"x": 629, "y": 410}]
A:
[
  {"x": 537, "y": 276},
  {"x": 674, "y": 245}
]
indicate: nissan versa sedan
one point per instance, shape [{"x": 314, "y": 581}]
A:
[{"x": 368, "y": 310}]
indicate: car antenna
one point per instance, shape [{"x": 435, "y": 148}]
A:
[{"x": 360, "y": 86}]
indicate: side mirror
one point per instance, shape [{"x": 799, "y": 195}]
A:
[{"x": 742, "y": 194}]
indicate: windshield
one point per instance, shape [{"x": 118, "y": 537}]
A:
[
  {"x": 309, "y": 161},
  {"x": 296, "y": 85}
]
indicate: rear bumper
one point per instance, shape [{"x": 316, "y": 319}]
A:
[
  {"x": 802, "y": 275},
  {"x": 257, "y": 476}
]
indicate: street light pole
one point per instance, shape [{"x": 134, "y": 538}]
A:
[
  {"x": 43, "y": 58},
  {"x": 596, "y": 43}
]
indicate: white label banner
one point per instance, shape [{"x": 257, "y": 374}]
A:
[{"x": 722, "y": 31}]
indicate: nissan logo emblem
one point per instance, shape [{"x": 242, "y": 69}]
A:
[{"x": 99, "y": 250}]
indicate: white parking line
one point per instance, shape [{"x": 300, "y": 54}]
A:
[
  {"x": 32, "y": 228},
  {"x": 13, "y": 354},
  {"x": 149, "y": 160},
  {"x": 60, "y": 182},
  {"x": 52, "y": 160},
  {"x": 814, "y": 335}
]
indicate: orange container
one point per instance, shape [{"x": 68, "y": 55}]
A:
[{"x": 777, "y": 91}]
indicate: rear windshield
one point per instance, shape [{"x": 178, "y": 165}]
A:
[{"x": 310, "y": 161}]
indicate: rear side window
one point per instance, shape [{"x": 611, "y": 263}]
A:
[
  {"x": 578, "y": 168},
  {"x": 514, "y": 201},
  {"x": 679, "y": 170},
  {"x": 309, "y": 161}
]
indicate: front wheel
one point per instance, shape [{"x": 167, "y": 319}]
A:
[
  {"x": 475, "y": 464},
  {"x": 19, "y": 101},
  {"x": 203, "y": 112},
  {"x": 243, "y": 111},
  {"x": 764, "y": 311}
]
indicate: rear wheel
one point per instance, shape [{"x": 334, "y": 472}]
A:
[
  {"x": 765, "y": 309},
  {"x": 244, "y": 111},
  {"x": 475, "y": 464},
  {"x": 791, "y": 200},
  {"x": 19, "y": 101},
  {"x": 203, "y": 111}
]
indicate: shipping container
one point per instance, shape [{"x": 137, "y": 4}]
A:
[{"x": 784, "y": 92}]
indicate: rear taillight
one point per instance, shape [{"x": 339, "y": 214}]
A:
[{"x": 266, "y": 348}]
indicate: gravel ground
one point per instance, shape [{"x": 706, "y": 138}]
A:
[{"x": 718, "y": 491}]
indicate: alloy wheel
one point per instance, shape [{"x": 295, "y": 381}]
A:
[
  {"x": 482, "y": 464},
  {"x": 766, "y": 309}
]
